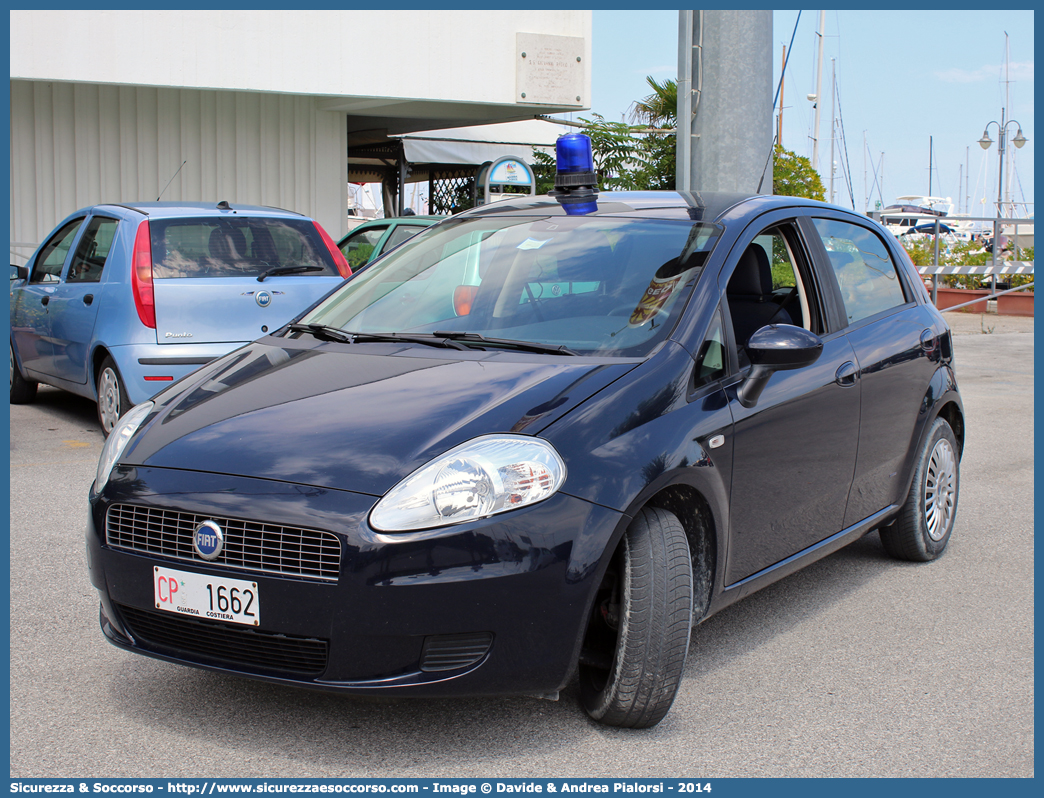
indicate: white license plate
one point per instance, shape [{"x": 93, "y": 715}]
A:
[{"x": 206, "y": 597}]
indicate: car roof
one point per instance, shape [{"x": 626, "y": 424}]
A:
[
  {"x": 427, "y": 220},
  {"x": 692, "y": 205},
  {"x": 176, "y": 209}
]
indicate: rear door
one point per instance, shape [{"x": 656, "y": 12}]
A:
[
  {"x": 74, "y": 305},
  {"x": 228, "y": 280},
  {"x": 896, "y": 349}
]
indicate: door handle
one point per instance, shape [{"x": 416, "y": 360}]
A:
[
  {"x": 846, "y": 374},
  {"x": 88, "y": 299},
  {"x": 44, "y": 300}
]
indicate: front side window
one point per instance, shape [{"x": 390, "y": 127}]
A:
[
  {"x": 865, "y": 272},
  {"x": 89, "y": 260},
  {"x": 359, "y": 247},
  {"x": 237, "y": 247},
  {"x": 613, "y": 286},
  {"x": 48, "y": 267},
  {"x": 769, "y": 285}
]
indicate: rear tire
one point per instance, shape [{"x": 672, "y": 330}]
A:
[
  {"x": 637, "y": 638},
  {"x": 23, "y": 391},
  {"x": 922, "y": 529},
  {"x": 112, "y": 398}
]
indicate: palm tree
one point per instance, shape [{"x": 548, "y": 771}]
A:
[{"x": 660, "y": 109}]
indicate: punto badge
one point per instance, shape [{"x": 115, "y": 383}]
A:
[{"x": 208, "y": 540}]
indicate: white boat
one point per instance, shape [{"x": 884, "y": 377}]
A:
[{"x": 912, "y": 210}]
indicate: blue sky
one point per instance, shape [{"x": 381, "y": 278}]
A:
[{"x": 902, "y": 77}]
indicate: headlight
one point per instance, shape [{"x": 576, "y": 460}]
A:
[
  {"x": 117, "y": 442},
  {"x": 477, "y": 479}
]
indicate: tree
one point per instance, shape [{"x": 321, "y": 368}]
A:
[
  {"x": 628, "y": 157},
  {"x": 793, "y": 176},
  {"x": 659, "y": 109},
  {"x": 643, "y": 156}
]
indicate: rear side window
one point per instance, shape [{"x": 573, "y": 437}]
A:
[
  {"x": 865, "y": 272},
  {"x": 402, "y": 233},
  {"x": 239, "y": 247},
  {"x": 93, "y": 251}
]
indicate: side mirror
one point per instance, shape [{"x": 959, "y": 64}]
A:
[
  {"x": 776, "y": 347},
  {"x": 19, "y": 272}
]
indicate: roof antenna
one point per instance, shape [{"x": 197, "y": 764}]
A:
[
  {"x": 171, "y": 180},
  {"x": 224, "y": 206}
]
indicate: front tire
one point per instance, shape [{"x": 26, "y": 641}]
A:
[
  {"x": 923, "y": 527},
  {"x": 112, "y": 398},
  {"x": 23, "y": 391},
  {"x": 637, "y": 638}
]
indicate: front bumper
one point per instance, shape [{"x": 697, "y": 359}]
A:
[{"x": 491, "y": 607}]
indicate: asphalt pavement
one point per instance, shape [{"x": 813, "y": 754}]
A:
[{"x": 856, "y": 666}]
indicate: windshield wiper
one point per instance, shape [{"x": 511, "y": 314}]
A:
[
  {"x": 510, "y": 343},
  {"x": 322, "y": 332},
  {"x": 287, "y": 270},
  {"x": 326, "y": 333}
]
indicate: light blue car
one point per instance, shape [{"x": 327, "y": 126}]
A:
[{"x": 121, "y": 300}]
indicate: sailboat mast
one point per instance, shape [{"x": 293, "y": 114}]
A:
[
  {"x": 819, "y": 92},
  {"x": 833, "y": 119}
]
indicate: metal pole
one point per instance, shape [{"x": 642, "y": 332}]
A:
[
  {"x": 1000, "y": 183},
  {"x": 967, "y": 184},
  {"x": 819, "y": 92},
  {"x": 930, "y": 145},
  {"x": 779, "y": 119},
  {"x": 732, "y": 127},
  {"x": 833, "y": 117},
  {"x": 683, "y": 135}
]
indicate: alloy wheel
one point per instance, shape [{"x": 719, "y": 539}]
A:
[
  {"x": 940, "y": 490},
  {"x": 108, "y": 399}
]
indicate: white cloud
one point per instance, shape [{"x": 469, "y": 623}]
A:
[{"x": 1017, "y": 71}]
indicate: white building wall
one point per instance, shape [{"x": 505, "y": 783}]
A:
[
  {"x": 105, "y": 105},
  {"x": 464, "y": 55},
  {"x": 76, "y": 144}
]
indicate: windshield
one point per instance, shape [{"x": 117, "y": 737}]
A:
[{"x": 594, "y": 285}]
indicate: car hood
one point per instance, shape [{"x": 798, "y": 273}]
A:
[{"x": 357, "y": 417}]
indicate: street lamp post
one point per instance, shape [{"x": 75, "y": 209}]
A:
[{"x": 986, "y": 141}]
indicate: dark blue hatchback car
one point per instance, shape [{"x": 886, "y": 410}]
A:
[{"x": 536, "y": 443}]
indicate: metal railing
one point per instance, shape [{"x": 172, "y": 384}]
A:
[{"x": 998, "y": 266}]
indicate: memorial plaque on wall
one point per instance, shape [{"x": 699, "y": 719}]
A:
[{"x": 550, "y": 69}]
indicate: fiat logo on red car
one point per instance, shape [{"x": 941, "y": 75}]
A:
[{"x": 208, "y": 540}]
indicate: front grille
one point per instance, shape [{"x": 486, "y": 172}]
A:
[
  {"x": 221, "y": 644},
  {"x": 449, "y": 652},
  {"x": 249, "y": 545}
]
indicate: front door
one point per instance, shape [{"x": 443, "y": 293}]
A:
[
  {"x": 74, "y": 304},
  {"x": 30, "y": 306},
  {"x": 795, "y": 450}
]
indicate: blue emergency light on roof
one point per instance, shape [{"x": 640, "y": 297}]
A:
[{"x": 575, "y": 178}]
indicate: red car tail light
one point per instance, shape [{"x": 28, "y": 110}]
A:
[
  {"x": 335, "y": 253},
  {"x": 141, "y": 276},
  {"x": 463, "y": 297}
]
